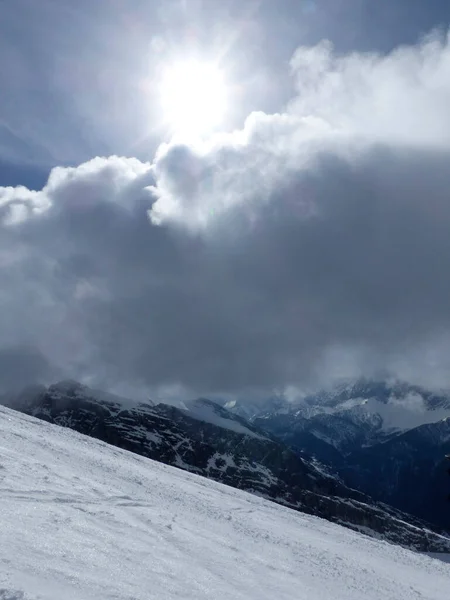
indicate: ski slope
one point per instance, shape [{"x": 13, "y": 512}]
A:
[{"x": 83, "y": 520}]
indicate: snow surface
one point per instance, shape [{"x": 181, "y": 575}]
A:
[
  {"x": 83, "y": 520},
  {"x": 208, "y": 412}
]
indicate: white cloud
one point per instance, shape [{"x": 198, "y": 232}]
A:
[
  {"x": 402, "y": 97},
  {"x": 311, "y": 244}
]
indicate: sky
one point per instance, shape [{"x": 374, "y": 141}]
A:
[{"x": 302, "y": 240}]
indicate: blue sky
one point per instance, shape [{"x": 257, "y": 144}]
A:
[{"x": 71, "y": 72}]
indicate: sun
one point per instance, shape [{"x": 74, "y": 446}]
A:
[{"x": 193, "y": 97}]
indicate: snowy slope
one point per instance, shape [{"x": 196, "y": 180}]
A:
[
  {"x": 210, "y": 412},
  {"x": 83, "y": 520}
]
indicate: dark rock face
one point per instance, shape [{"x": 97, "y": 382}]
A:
[
  {"x": 227, "y": 449},
  {"x": 409, "y": 472},
  {"x": 328, "y": 437}
]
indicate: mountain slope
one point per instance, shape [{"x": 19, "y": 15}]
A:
[
  {"x": 223, "y": 447},
  {"x": 409, "y": 471},
  {"x": 84, "y": 520},
  {"x": 227, "y": 449}
]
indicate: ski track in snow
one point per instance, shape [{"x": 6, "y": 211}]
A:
[{"x": 83, "y": 520}]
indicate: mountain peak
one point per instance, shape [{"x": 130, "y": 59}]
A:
[{"x": 67, "y": 386}]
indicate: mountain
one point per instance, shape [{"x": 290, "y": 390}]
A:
[
  {"x": 81, "y": 519},
  {"x": 249, "y": 410},
  {"x": 387, "y": 441},
  {"x": 408, "y": 471},
  {"x": 204, "y": 438},
  {"x": 353, "y": 415}
]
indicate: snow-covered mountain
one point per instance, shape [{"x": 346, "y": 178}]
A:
[
  {"x": 387, "y": 440},
  {"x": 206, "y": 439},
  {"x": 352, "y": 415},
  {"x": 81, "y": 519}
]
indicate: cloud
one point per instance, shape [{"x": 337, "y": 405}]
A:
[
  {"x": 401, "y": 97},
  {"x": 312, "y": 244},
  {"x": 21, "y": 364}
]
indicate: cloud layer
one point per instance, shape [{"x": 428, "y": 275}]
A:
[{"x": 312, "y": 244}]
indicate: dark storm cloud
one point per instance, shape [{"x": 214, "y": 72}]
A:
[
  {"x": 311, "y": 243},
  {"x": 20, "y": 365}
]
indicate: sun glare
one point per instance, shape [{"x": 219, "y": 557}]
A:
[{"x": 193, "y": 98}]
